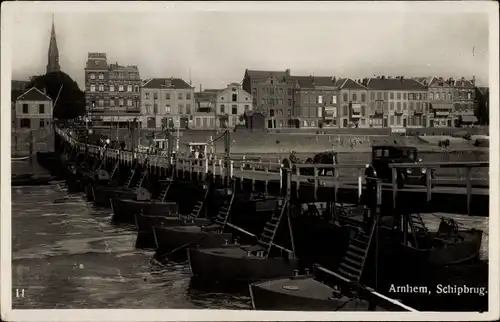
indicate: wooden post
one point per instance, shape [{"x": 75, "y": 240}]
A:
[
  {"x": 376, "y": 222},
  {"x": 228, "y": 157},
  {"x": 297, "y": 182},
  {"x": 288, "y": 208},
  {"x": 469, "y": 187},
  {"x": 315, "y": 183},
  {"x": 394, "y": 186},
  {"x": 428, "y": 183},
  {"x": 360, "y": 184}
]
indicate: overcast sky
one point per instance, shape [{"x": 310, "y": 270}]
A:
[{"x": 219, "y": 46}]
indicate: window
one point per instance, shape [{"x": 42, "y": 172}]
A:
[
  {"x": 372, "y": 95},
  {"x": 412, "y": 106},
  {"x": 101, "y": 88},
  {"x": 363, "y": 110},
  {"x": 111, "y": 88},
  {"x": 247, "y": 107},
  {"x": 188, "y": 96},
  {"x": 120, "y": 102},
  {"x": 155, "y": 96},
  {"x": 120, "y": 88},
  {"x": 25, "y": 109},
  {"x": 392, "y": 95},
  {"x": 449, "y": 96},
  {"x": 306, "y": 124},
  {"x": 346, "y": 111},
  {"x": 234, "y": 109},
  {"x": 418, "y": 96},
  {"x": 392, "y": 106},
  {"x": 101, "y": 76},
  {"x": 405, "y": 106},
  {"x": 391, "y": 120},
  {"x": 424, "y": 96},
  {"x": 188, "y": 108},
  {"x": 442, "y": 96},
  {"x": 281, "y": 101},
  {"x": 254, "y": 91},
  {"x": 26, "y": 123},
  {"x": 363, "y": 97},
  {"x": 136, "y": 89},
  {"x": 234, "y": 97},
  {"x": 222, "y": 109},
  {"x": 431, "y": 96},
  {"x": 180, "y": 107},
  {"x": 41, "y": 108},
  {"x": 386, "y": 96},
  {"x": 101, "y": 103},
  {"x": 146, "y": 96},
  {"x": 289, "y": 91},
  {"x": 469, "y": 95},
  {"x": 42, "y": 123},
  {"x": 92, "y": 88},
  {"x": 346, "y": 97},
  {"x": 129, "y": 102},
  {"x": 320, "y": 99},
  {"x": 398, "y": 120},
  {"x": 179, "y": 96},
  {"x": 398, "y": 95},
  {"x": 404, "y": 96},
  {"x": 320, "y": 112},
  {"x": 112, "y": 102},
  {"x": 354, "y": 97},
  {"x": 410, "y": 96},
  {"x": 398, "y": 106},
  {"x": 334, "y": 99},
  {"x": 167, "y": 109},
  {"x": 289, "y": 102},
  {"x": 92, "y": 76},
  {"x": 379, "y": 95},
  {"x": 129, "y": 88}
]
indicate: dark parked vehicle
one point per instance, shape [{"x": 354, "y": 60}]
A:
[{"x": 384, "y": 155}]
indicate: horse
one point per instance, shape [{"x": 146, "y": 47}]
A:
[{"x": 325, "y": 158}]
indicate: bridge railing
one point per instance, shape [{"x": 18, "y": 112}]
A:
[{"x": 430, "y": 180}]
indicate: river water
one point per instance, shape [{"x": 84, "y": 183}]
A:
[{"x": 66, "y": 253}]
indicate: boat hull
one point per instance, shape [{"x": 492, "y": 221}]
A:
[
  {"x": 103, "y": 194},
  {"x": 126, "y": 209},
  {"x": 145, "y": 224},
  {"x": 305, "y": 294},
  {"x": 233, "y": 265},
  {"x": 171, "y": 238},
  {"x": 451, "y": 253}
]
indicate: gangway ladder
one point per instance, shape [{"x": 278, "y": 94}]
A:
[
  {"x": 164, "y": 192},
  {"x": 198, "y": 206},
  {"x": 417, "y": 226},
  {"x": 266, "y": 239},
  {"x": 115, "y": 169},
  {"x": 144, "y": 173},
  {"x": 224, "y": 212},
  {"x": 352, "y": 264}
]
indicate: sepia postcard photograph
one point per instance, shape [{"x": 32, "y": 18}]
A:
[{"x": 247, "y": 161}]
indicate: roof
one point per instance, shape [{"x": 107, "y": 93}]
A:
[
  {"x": 347, "y": 83},
  {"x": 385, "y": 84},
  {"x": 436, "y": 81},
  {"x": 206, "y": 96},
  {"x": 264, "y": 74},
  {"x": 160, "y": 83},
  {"x": 464, "y": 83},
  {"x": 313, "y": 81},
  {"x": 33, "y": 94},
  {"x": 95, "y": 63}
]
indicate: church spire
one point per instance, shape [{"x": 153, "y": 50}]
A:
[{"x": 53, "y": 55}]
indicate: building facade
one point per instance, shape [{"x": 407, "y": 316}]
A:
[
  {"x": 112, "y": 91},
  {"x": 483, "y": 102},
  {"x": 33, "y": 110},
  {"x": 464, "y": 101},
  {"x": 314, "y": 102},
  {"x": 397, "y": 102},
  {"x": 230, "y": 106},
  {"x": 167, "y": 102},
  {"x": 352, "y": 104},
  {"x": 271, "y": 95},
  {"x": 441, "y": 111}
]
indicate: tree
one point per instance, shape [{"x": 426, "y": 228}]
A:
[{"x": 71, "y": 101}]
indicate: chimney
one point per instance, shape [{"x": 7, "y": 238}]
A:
[
  {"x": 200, "y": 87},
  {"x": 383, "y": 77},
  {"x": 287, "y": 72},
  {"x": 334, "y": 79},
  {"x": 473, "y": 81},
  {"x": 402, "y": 79}
]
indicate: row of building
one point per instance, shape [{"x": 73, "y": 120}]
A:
[{"x": 116, "y": 94}]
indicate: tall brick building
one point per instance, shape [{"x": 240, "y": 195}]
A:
[
  {"x": 314, "y": 101},
  {"x": 112, "y": 91},
  {"x": 271, "y": 95},
  {"x": 353, "y": 103},
  {"x": 397, "y": 102}
]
